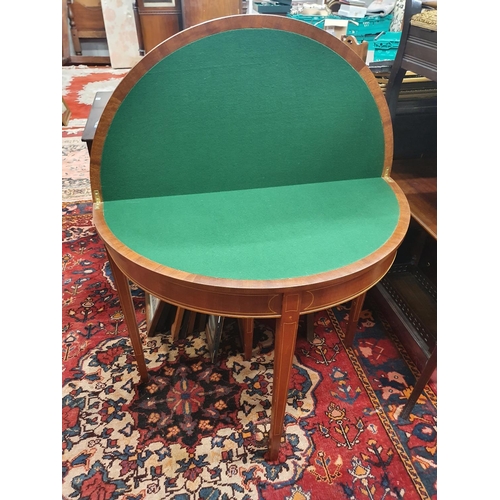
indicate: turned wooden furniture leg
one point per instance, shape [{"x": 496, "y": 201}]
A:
[
  {"x": 176, "y": 325},
  {"x": 74, "y": 31},
  {"x": 421, "y": 382},
  {"x": 128, "y": 309},
  {"x": 352, "y": 324},
  {"x": 284, "y": 349}
]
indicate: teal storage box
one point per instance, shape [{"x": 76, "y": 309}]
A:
[
  {"x": 358, "y": 27},
  {"x": 272, "y": 8},
  {"x": 374, "y": 30},
  {"x": 369, "y": 25},
  {"x": 386, "y": 46}
]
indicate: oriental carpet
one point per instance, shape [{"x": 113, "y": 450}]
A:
[
  {"x": 198, "y": 430},
  {"x": 79, "y": 85}
]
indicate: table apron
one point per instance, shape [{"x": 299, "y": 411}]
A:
[{"x": 250, "y": 303}]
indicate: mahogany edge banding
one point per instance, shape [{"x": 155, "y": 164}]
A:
[{"x": 276, "y": 285}]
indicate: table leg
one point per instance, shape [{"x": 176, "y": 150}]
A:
[
  {"x": 176, "y": 325},
  {"x": 247, "y": 327},
  {"x": 310, "y": 327},
  {"x": 284, "y": 349},
  {"x": 128, "y": 309},
  {"x": 191, "y": 322},
  {"x": 352, "y": 324}
]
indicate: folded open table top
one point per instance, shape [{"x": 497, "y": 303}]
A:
[{"x": 241, "y": 168}]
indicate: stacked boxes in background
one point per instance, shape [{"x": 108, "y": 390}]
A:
[
  {"x": 276, "y": 7},
  {"x": 386, "y": 46},
  {"x": 382, "y": 43}
]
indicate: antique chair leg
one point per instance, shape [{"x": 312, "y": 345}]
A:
[
  {"x": 284, "y": 349},
  {"x": 392, "y": 90},
  {"x": 420, "y": 384},
  {"x": 74, "y": 30},
  {"x": 128, "y": 309},
  {"x": 352, "y": 324}
]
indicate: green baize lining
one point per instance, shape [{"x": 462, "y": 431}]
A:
[{"x": 259, "y": 234}]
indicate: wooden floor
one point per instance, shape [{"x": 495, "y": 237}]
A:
[{"x": 418, "y": 179}]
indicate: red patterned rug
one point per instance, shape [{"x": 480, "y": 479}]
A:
[
  {"x": 198, "y": 430},
  {"x": 79, "y": 85}
]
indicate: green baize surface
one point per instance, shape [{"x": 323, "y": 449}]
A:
[
  {"x": 259, "y": 234},
  {"x": 248, "y": 154}
]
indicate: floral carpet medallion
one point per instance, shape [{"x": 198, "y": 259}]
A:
[
  {"x": 194, "y": 427},
  {"x": 198, "y": 430}
]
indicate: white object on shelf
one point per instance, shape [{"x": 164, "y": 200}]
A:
[
  {"x": 250, "y": 9},
  {"x": 352, "y": 11},
  {"x": 336, "y": 27}
]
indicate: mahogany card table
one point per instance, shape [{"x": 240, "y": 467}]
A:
[{"x": 242, "y": 169}]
